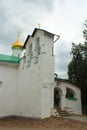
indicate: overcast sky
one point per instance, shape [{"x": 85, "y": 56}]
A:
[{"x": 62, "y": 17}]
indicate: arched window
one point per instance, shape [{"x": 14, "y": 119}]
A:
[{"x": 70, "y": 94}]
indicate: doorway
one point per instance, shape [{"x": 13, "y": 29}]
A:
[{"x": 57, "y": 97}]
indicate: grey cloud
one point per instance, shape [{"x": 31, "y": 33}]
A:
[
  {"x": 20, "y": 15},
  {"x": 64, "y": 55},
  {"x": 61, "y": 67},
  {"x": 4, "y": 48},
  {"x": 62, "y": 58},
  {"x": 11, "y": 21},
  {"x": 39, "y": 3},
  {"x": 61, "y": 2},
  {"x": 61, "y": 73},
  {"x": 61, "y": 70}
]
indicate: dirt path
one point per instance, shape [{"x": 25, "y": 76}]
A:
[{"x": 52, "y": 122}]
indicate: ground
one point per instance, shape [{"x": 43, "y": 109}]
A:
[{"x": 52, "y": 122}]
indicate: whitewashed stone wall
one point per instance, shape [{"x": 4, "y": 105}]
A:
[
  {"x": 8, "y": 88},
  {"x": 70, "y": 105},
  {"x": 28, "y": 89},
  {"x": 36, "y": 79}
]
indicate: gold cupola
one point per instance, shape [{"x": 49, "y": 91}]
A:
[
  {"x": 17, "y": 44},
  {"x": 17, "y": 48}
]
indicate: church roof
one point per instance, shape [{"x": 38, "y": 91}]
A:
[
  {"x": 7, "y": 58},
  {"x": 66, "y": 81}
]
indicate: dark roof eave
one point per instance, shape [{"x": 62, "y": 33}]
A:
[
  {"x": 40, "y": 30},
  {"x": 26, "y": 41}
]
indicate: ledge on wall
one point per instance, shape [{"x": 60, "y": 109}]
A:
[{"x": 72, "y": 99}]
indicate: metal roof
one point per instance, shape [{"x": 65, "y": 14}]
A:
[{"x": 7, "y": 58}]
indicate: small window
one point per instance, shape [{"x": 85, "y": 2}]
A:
[
  {"x": 0, "y": 85},
  {"x": 37, "y": 50},
  {"x": 38, "y": 46},
  {"x": 30, "y": 52},
  {"x": 24, "y": 61},
  {"x": 52, "y": 51},
  {"x": 19, "y": 55},
  {"x": 28, "y": 63}
]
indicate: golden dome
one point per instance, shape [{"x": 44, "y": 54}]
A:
[{"x": 17, "y": 43}]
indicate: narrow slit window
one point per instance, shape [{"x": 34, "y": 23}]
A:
[
  {"x": 38, "y": 45},
  {"x": 0, "y": 85},
  {"x": 30, "y": 52}
]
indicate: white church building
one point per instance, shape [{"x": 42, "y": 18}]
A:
[{"x": 27, "y": 85}]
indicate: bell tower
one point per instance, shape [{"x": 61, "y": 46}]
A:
[{"x": 37, "y": 75}]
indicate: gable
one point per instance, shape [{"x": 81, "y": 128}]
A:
[{"x": 46, "y": 33}]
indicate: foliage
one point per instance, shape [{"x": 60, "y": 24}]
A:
[{"x": 77, "y": 69}]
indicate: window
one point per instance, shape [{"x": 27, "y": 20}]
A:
[
  {"x": 38, "y": 46},
  {"x": 24, "y": 61},
  {"x": 30, "y": 52},
  {"x": 28, "y": 63},
  {"x": 70, "y": 94},
  {"x": 0, "y": 85},
  {"x": 52, "y": 51},
  {"x": 37, "y": 50}
]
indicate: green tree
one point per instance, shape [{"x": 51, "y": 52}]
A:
[{"x": 77, "y": 68}]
